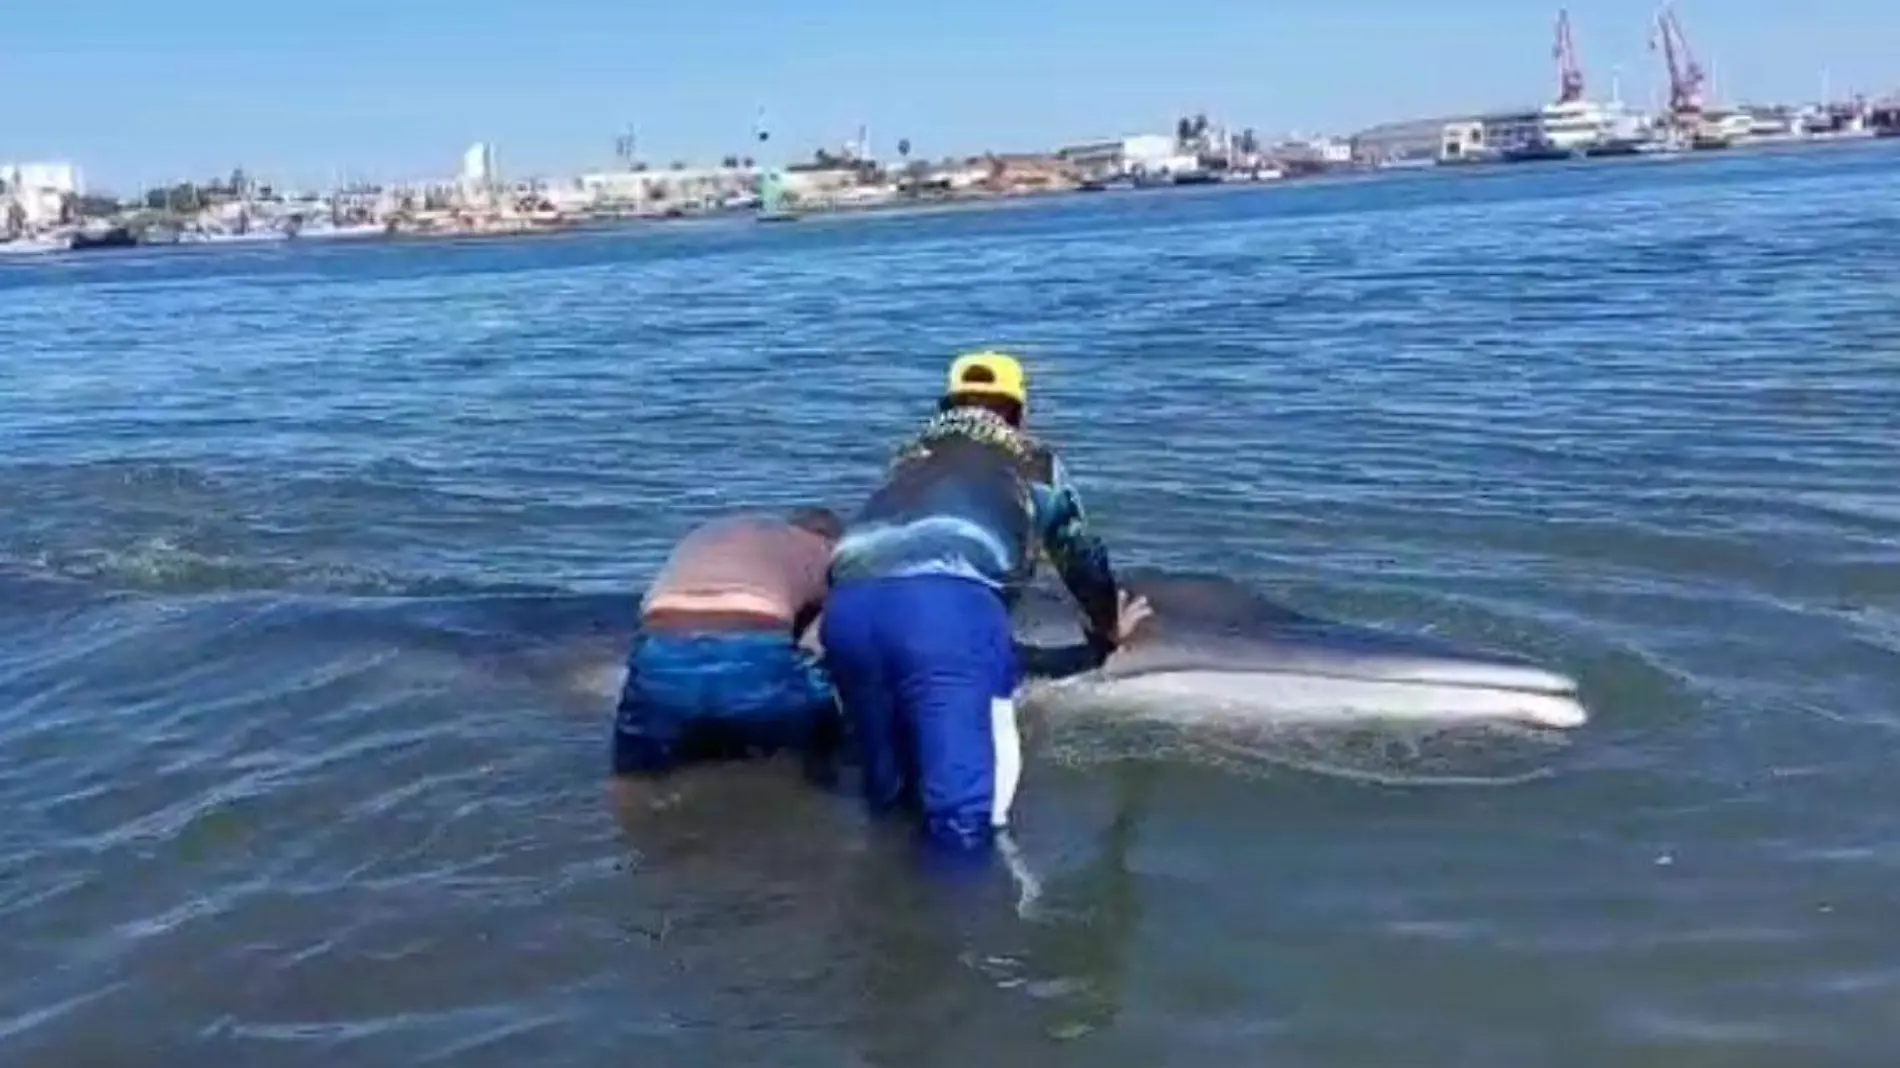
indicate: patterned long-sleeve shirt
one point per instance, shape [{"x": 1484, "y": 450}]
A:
[{"x": 974, "y": 497}]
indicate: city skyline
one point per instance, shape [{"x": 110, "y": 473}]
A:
[{"x": 391, "y": 92}]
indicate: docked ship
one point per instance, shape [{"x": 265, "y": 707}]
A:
[
  {"x": 36, "y": 244},
  {"x": 1570, "y": 127},
  {"x": 1885, "y": 120},
  {"x": 86, "y": 238},
  {"x": 1564, "y": 128},
  {"x": 1624, "y": 133}
]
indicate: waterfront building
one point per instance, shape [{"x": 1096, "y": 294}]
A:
[
  {"x": 1398, "y": 142},
  {"x": 681, "y": 187},
  {"x": 37, "y": 195},
  {"x": 1463, "y": 141},
  {"x": 478, "y": 164},
  {"x": 1123, "y": 155},
  {"x": 1314, "y": 152},
  {"x": 476, "y": 184},
  {"x": 1506, "y": 131}
]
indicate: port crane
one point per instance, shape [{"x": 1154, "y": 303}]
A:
[
  {"x": 1685, "y": 74},
  {"x": 1569, "y": 71}
]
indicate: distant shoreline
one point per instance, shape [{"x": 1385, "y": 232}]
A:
[{"x": 898, "y": 207}]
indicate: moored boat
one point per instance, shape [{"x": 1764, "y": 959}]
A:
[
  {"x": 37, "y": 245},
  {"x": 85, "y": 239}
]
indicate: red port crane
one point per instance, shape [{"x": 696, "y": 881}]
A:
[
  {"x": 1685, "y": 74},
  {"x": 1569, "y": 72}
]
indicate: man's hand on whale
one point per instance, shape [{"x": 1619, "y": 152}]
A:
[{"x": 1133, "y": 611}]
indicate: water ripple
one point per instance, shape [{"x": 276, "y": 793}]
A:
[{"x": 275, "y": 797}]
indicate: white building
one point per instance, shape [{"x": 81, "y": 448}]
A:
[
  {"x": 39, "y": 189},
  {"x": 1510, "y": 131},
  {"x": 684, "y": 187},
  {"x": 1313, "y": 152},
  {"x": 1139, "y": 152},
  {"x": 1462, "y": 140},
  {"x": 1146, "y": 150},
  {"x": 614, "y": 187},
  {"x": 478, "y": 167},
  {"x": 811, "y": 182}
]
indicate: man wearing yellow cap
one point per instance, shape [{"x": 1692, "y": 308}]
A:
[{"x": 917, "y": 632}]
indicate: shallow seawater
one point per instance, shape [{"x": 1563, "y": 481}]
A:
[{"x": 309, "y": 552}]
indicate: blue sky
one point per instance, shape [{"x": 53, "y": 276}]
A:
[{"x": 396, "y": 89}]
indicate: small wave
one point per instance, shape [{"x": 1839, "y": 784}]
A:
[
  {"x": 157, "y": 526},
  {"x": 169, "y": 564}
]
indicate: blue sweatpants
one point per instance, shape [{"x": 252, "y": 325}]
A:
[
  {"x": 925, "y": 669},
  {"x": 694, "y": 697}
]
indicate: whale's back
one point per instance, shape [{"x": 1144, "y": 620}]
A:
[{"x": 1215, "y": 650}]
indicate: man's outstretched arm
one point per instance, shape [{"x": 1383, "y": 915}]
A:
[{"x": 1079, "y": 556}]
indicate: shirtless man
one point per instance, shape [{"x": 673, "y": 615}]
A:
[{"x": 718, "y": 671}]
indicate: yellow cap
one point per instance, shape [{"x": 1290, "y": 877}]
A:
[{"x": 993, "y": 374}]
